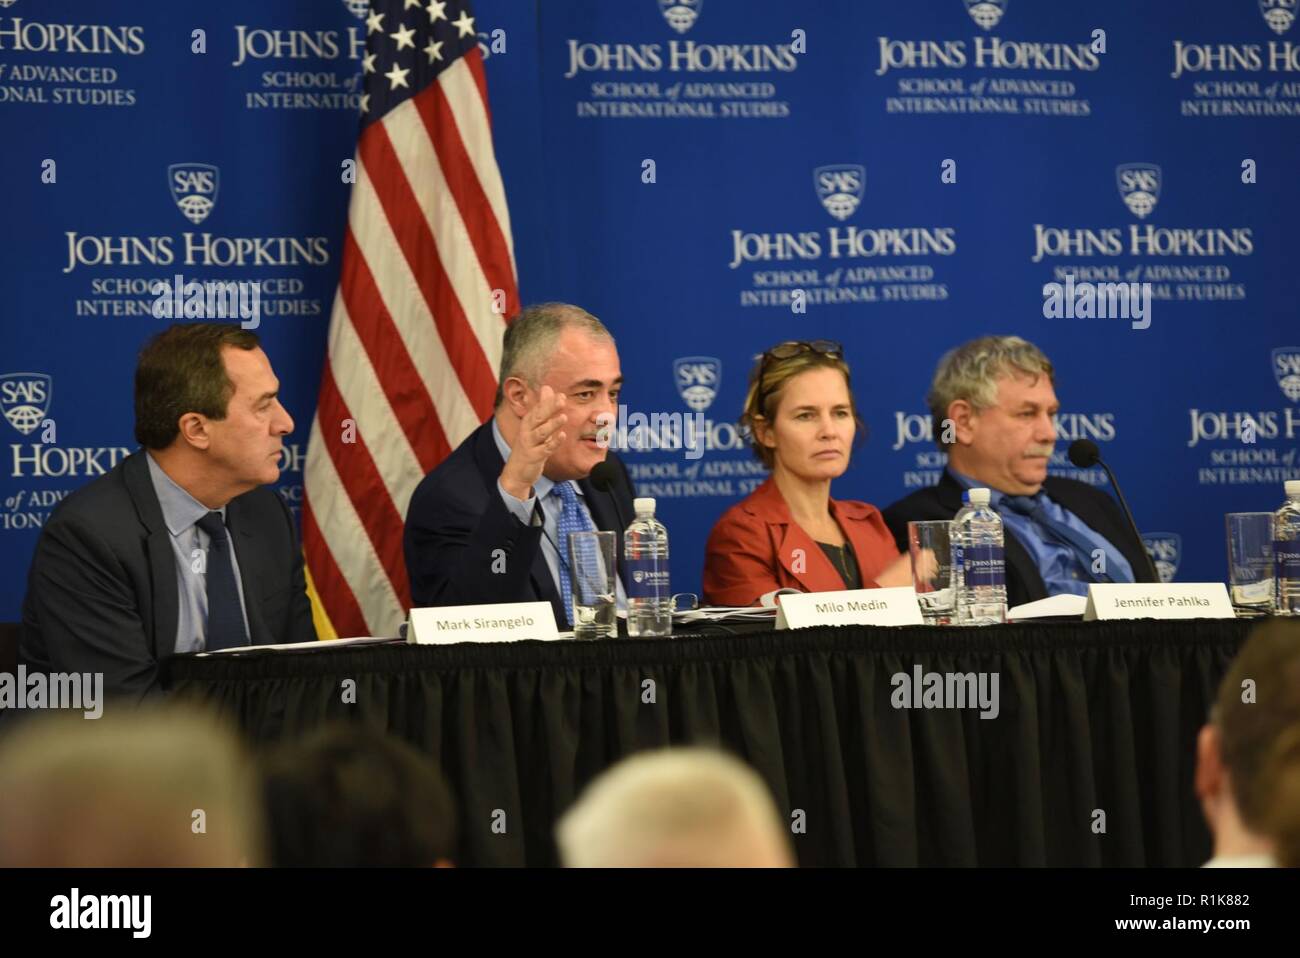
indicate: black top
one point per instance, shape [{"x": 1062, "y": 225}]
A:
[{"x": 846, "y": 564}]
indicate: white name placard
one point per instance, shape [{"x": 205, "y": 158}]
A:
[
  {"x": 1158, "y": 600},
  {"x": 504, "y": 622},
  {"x": 896, "y": 606}
]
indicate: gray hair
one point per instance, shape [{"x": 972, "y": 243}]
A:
[
  {"x": 121, "y": 791},
  {"x": 530, "y": 340},
  {"x": 679, "y": 807},
  {"x": 972, "y": 370}
]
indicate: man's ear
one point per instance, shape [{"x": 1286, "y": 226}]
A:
[
  {"x": 962, "y": 415},
  {"x": 515, "y": 391},
  {"x": 1209, "y": 781},
  {"x": 194, "y": 430}
]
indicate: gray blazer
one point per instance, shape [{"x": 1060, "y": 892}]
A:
[{"x": 102, "y": 596}]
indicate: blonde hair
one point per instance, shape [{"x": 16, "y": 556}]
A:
[
  {"x": 683, "y": 807},
  {"x": 767, "y": 382},
  {"x": 125, "y": 791}
]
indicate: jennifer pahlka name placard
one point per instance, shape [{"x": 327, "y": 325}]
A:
[
  {"x": 896, "y": 606},
  {"x": 1158, "y": 600},
  {"x": 506, "y": 622}
]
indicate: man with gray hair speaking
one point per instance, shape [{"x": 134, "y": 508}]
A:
[
  {"x": 993, "y": 405},
  {"x": 490, "y": 523}
]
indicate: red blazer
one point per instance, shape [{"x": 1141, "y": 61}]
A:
[{"x": 753, "y": 549}]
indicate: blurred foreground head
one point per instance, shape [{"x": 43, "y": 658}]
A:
[
  {"x": 352, "y": 796},
  {"x": 676, "y": 808},
  {"x": 153, "y": 787},
  {"x": 1256, "y": 712}
]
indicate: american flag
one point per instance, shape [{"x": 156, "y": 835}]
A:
[{"x": 427, "y": 285}]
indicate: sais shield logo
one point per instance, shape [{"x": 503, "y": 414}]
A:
[
  {"x": 1278, "y": 14},
  {"x": 697, "y": 379},
  {"x": 7, "y": 3},
  {"x": 839, "y": 187},
  {"x": 1139, "y": 187},
  {"x": 358, "y": 8},
  {"x": 1166, "y": 550},
  {"x": 25, "y": 398},
  {"x": 1286, "y": 370},
  {"x": 194, "y": 188},
  {"x": 681, "y": 14},
  {"x": 986, "y": 13}
]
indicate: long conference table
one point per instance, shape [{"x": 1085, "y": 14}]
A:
[{"x": 1088, "y": 761}]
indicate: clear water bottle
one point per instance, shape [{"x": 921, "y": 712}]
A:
[
  {"x": 955, "y": 554},
  {"x": 645, "y": 560},
  {"x": 978, "y": 554},
  {"x": 1286, "y": 552}
]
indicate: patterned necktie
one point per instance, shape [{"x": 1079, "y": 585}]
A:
[
  {"x": 1035, "y": 509},
  {"x": 225, "y": 614},
  {"x": 573, "y": 518}
]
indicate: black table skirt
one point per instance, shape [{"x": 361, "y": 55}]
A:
[{"x": 1094, "y": 717}]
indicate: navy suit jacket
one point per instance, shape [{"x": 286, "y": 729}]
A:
[
  {"x": 456, "y": 521},
  {"x": 1024, "y": 583},
  {"x": 102, "y": 594}
]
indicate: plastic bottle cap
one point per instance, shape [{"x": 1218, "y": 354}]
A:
[
  {"x": 979, "y": 497},
  {"x": 1293, "y": 488},
  {"x": 644, "y": 506}
]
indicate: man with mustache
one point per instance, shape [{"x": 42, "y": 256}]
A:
[
  {"x": 181, "y": 547},
  {"x": 491, "y": 522},
  {"x": 993, "y": 404}
]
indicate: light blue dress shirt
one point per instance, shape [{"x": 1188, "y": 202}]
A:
[
  {"x": 523, "y": 510},
  {"x": 180, "y": 513},
  {"x": 1057, "y": 563}
]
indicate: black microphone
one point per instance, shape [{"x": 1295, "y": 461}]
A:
[
  {"x": 1085, "y": 454},
  {"x": 607, "y": 477}
]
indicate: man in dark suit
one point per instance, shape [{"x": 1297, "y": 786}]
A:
[
  {"x": 181, "y": 547},
  {"x": 993, "y": 405},
  {"x": 491, "y": 522}
]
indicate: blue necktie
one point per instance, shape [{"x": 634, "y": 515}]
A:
[
  {"x": 1035, "y": 508},
  {"x": 573, "y": 518},
  {"x": 225, "y": 614}
]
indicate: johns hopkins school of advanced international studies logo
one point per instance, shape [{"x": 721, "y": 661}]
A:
[
  {"x": 194, "y": 188},
  {"x": 1278, "y": 14},
  {"x": 1166, "y": 551},
  {"x": 840, "y": 187},
  {"x": 25, "y": 399},
  {"x": 1286, "y": 370},
  {"x": 681, "y": 14},
  {"x": 698, "y": 379},
  {"x": 1139, "y": 187},
  {"x": 986, "y": 13}
]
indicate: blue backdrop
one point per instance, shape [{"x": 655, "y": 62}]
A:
[{"x": 910, "y": 174}]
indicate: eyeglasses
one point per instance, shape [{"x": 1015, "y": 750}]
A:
[{"x": 790, "y": 349}]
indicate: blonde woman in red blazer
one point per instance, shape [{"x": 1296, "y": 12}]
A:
[{"x": 790, "y": 533}]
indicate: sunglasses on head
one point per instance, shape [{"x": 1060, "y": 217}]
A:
[{"x": 789, "y": 350}]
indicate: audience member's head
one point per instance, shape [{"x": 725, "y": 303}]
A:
[
  {"x": 689, "y": 807},
  {"x": 1257, "y": 706},
  {"x": 154, "y": 787},
  {"x": 1284, "y": 785},
  {"x": 349, "y": 795}
]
